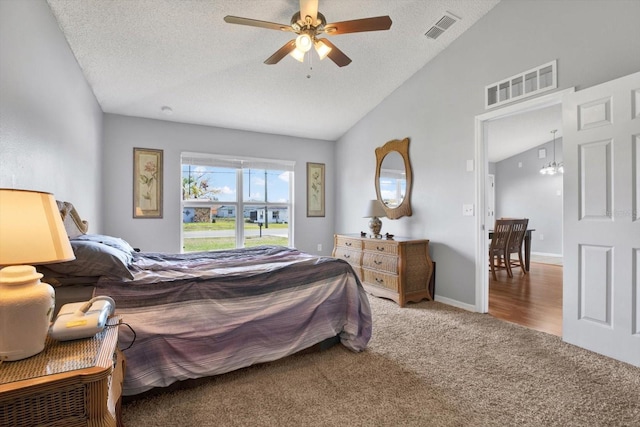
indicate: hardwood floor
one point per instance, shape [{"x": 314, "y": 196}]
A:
[{"x": 533, "y": 300}]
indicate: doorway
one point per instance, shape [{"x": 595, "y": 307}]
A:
[{"x": 482, "y": 170}]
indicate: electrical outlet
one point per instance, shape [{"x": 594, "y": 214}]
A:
[
  {"x": 467, "y": 210},
  {"x": 319, "y": 247}
]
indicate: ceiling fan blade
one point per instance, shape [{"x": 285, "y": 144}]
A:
[
  {"x": 281, "y": 53},
  {"x": 310, "y": 8},
  {"x": 256, "y": 23},
  {"x": 336, "y": 55},
  {"x": 358, "y": 25}
]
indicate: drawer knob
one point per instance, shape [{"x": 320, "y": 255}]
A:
[
  {"x": 347, "y": 244},
  {"x": 378, "y": 280},
  {"x": 381, "y": 249},
  {"x": 347, "y": 256},
  {"x": 376, "y": 262}
]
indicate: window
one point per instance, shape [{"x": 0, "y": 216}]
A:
[
  {"x": 520, "y": 86},
  {"x": 235, "y": 202}
]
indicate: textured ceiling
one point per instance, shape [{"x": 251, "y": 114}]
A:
[{"x": 141, "y": 55}]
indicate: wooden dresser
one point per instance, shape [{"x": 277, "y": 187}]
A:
[{"x": 399, "y": 269}]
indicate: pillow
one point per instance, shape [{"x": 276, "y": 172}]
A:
[
  {"x": 95, "y": 259},
  {"x": 114, "y": 242},
  {"x": 58, "y": 280}
]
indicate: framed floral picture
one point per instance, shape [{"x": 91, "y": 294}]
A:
[
  {"x": 315, "y": 189},
  {"x": 147, "y": 183}
]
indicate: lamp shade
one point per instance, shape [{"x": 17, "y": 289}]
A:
[
  {"x": 322, "y": 49},
  {"x": 31, "y": 229},
  {"x": 298, "y": 54},
  {"x": 374, "y": 209},
  {"x": 31, "y": 232}
]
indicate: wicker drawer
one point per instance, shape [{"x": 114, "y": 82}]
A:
[
  {"x": 348, "y": 243},
  {"x": 351, "y": 256},
  {"x": 388, "y": 281},
  {"x": 379, "y": 246},
  {"x": 380, "y": 262},
  {"x": 399, "y": 269}
]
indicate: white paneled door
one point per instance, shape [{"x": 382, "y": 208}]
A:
[{"x": 601, "y": 145}]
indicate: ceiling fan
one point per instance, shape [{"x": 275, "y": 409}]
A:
[{"x": 308, "y": 24}]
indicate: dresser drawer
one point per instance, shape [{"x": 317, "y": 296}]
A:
[
  {"x": 399, "y": 269},
  {"x": 377, "y": 261},
  {"x": 383, "y": 280},
  {"x": 380, "y": 246},
  {"x": 348, "y": 243},
  {"x": 349, "y": 255}
]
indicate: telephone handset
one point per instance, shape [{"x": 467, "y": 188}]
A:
[{"x": 82, "y": 319}]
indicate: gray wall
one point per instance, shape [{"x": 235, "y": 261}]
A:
[
  {"x": 50, "y": 127},
  {"x": 50, "y": 122},
  {"x": 521, "y": 192},
  {"x": 122, "y": 133},
  {"x": 436, "y": 108}
]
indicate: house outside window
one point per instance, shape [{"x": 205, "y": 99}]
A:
[{"x": 235, "y": 202}]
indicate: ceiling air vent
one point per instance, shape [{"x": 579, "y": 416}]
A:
[{"x": 442, "y": 25}]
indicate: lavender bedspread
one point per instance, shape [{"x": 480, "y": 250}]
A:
[{"x": 208, "y": 313}]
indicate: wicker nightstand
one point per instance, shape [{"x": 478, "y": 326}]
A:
[{"x": 72, "y": 383}]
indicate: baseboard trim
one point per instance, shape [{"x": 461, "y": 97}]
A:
[
  {"x": 455, "y": 303},
  {"x": 546, "y": 254}
]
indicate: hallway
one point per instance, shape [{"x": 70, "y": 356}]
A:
[{"x": 533, "y": 300}]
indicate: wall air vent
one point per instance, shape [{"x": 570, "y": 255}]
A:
[{"x": 442, "y": 25}]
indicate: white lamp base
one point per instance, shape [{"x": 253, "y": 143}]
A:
[{"x": 26, "y": 307}]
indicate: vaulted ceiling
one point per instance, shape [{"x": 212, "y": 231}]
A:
[{"x": 178, "y": 60}]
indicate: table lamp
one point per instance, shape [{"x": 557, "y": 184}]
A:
[
  {"x": 374, "y": 210},
  {"x": 31, "y": 232}
]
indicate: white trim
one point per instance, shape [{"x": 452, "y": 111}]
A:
[
  {"x": 524, "y": 93},
  {"x": 482, "y": 269},
  {"x": 547, "y": 254},
  {"x": 455, "y": 303}
]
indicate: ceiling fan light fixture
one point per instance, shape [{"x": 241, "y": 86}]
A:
[
  {"x": 322, "y": 49},
  {"x": 298, "y": 54},
  {"x": 303, "y": 42}
]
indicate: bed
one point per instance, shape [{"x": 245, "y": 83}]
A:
[{"x": 207, "y": 313}]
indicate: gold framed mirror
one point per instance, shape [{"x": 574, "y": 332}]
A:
[{"x": 394, "y": 178}]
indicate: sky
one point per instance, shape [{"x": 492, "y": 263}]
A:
[{"x": 222, "y": 183}]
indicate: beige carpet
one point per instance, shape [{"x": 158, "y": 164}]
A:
[{"x": 427, "y": 365}]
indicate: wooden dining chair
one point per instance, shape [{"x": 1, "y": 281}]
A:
[
  {"x": 498, "y": 248},
  {"x": 518, "y": 230}
]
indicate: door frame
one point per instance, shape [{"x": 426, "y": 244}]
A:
[{"x": 481, "y": 143}]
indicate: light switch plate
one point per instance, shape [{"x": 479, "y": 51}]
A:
[{"x": 470, "y": 165}]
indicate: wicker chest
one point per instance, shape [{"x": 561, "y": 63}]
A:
[
  {"x": 72, "y": 383},
  {"x": 399, "y": 269}
]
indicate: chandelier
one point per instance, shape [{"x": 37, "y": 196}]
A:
[{"x": 553, "y": 167}]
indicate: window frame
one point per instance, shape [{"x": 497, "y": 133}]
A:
[{"x": 240, "y": 163}]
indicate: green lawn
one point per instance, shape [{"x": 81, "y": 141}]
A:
[
  {"x": 219, "y": 243},
  {"x": 224, "y": 224}
]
